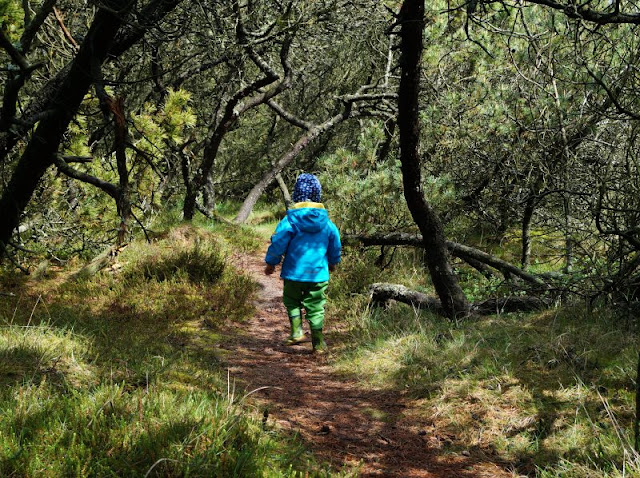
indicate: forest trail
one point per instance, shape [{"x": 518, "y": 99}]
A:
[{"x": 340, "y": 421}]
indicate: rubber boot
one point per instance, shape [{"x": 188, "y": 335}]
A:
[
  {"x": 297, "y": 334},
  {"x": 319, "y": 345}
]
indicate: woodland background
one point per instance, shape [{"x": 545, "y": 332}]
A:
[{"x": 483, "y": 152}]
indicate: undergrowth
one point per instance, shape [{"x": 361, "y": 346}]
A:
[
  {"x": 120, "y": 374},
  {"x": 551, "y": 393}
]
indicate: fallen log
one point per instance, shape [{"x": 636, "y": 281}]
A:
[
  {"x": 382, "y": 293},
  {"x": 101, "y": 261},
  {"x": 466, "y": 253}
]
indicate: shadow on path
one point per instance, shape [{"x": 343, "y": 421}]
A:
[{"x": 339, "y": 421}]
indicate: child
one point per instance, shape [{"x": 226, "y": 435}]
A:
[{"x": 311, "y": 245}]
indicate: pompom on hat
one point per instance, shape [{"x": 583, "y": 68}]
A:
[{"x": 307, "y": 188}]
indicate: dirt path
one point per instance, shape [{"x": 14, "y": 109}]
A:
[{"x": 341, "y": 422}]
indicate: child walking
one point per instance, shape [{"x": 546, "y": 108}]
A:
[{"x": 310, "y": 244}]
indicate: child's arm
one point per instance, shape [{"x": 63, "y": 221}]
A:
[
  {"x": 279, "y": 243},
  {"x": 335, "y": 247}
]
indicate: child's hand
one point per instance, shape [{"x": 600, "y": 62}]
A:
[{"x": 269, "y": 269}]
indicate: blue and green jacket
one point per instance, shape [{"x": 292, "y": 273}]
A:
[{"x": 309, "y": 242}]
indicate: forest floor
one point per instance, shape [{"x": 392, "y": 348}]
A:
[{"x": 342, "y": 421}]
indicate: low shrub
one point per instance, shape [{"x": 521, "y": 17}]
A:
[
  {"x": 184, "y": 253},
  {"x": 200, "y": 263}
]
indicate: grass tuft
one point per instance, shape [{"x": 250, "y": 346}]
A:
[
  {"x": 120, "y": 374},
  {"x": 550, "y": 393},
  {"x": 200, "y": 263}
]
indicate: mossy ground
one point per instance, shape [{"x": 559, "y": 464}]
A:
[
  {"x": 120, "y": 374},
  {"x": 549, "y": 393}
]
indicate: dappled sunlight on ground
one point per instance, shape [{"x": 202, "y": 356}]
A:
[{"x": 339, "y": 419}]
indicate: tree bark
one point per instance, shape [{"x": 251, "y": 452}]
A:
[
  {"x": 451, "y": 296},
  {"x": 527, "y": 217},
  {"x": 383, "y": 152},
  {"x": 268, "y": 177},
  {"x": 39, "y": 153},
  {"x": 466, "y": 253},
  {"x": 636, "y": 421},
  {"x": 209, "y": 195},
  {"x": 286, "y": 197},
  {"x": 124, "y": 201}
]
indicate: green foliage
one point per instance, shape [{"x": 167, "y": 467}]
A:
[
  {"x": 551, "y": 391},
  {"x": 200, "y": 263},
  {"x": 172, "y": 122},
  {"x": 120, "y": 376},
  {"x": 354, "y": 276},
  {"x": 363, "y": 196},
  {"x": 11, "y": 16}
]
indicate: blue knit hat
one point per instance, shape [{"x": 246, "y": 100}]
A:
[{"x": 307, "y": 188}]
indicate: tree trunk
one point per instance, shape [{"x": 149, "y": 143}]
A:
[
  {"x": 123, "y": 201},
  {"x": 209, "y": 195},
  {"x": 636, "y": 422},
  {"x": 286, "y": 197},
  {"x": 568, "y": 240},
  {"x": 451, "y": 296},
  {"x": 189, "y": 206},
  {"x": 39, "y": 153},
  {"x": 384, "y": 150},
  {"x": 527, "y": 217},
  {"x": 268, "y": 177}
]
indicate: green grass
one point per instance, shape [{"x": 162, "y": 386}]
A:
[
  {"x": 552, "y": 393},
  {"x": 260, "y": 224},
  {"x": 120, "y": 374}
]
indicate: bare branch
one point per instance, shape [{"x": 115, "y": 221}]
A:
[
  {"x": 77, "y": 159},
  {"x": 578, "y": 12},
  {"x": 369, "y": 97},
  {"x": 458, "y": 250},
  {"x": 289, "y": 117},
  {"x": 33, "y": 26},
  {"x": 105, "y": 186},
  {"x": 65, "y": 31},
  {"x": 16, "y": 56},
  {"x": 613, "y": 96}
]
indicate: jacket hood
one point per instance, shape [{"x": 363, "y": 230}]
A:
[{"x": 308, "y": 217}]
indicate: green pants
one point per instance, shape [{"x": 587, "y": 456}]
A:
[{"x": 309, "y": 295}]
